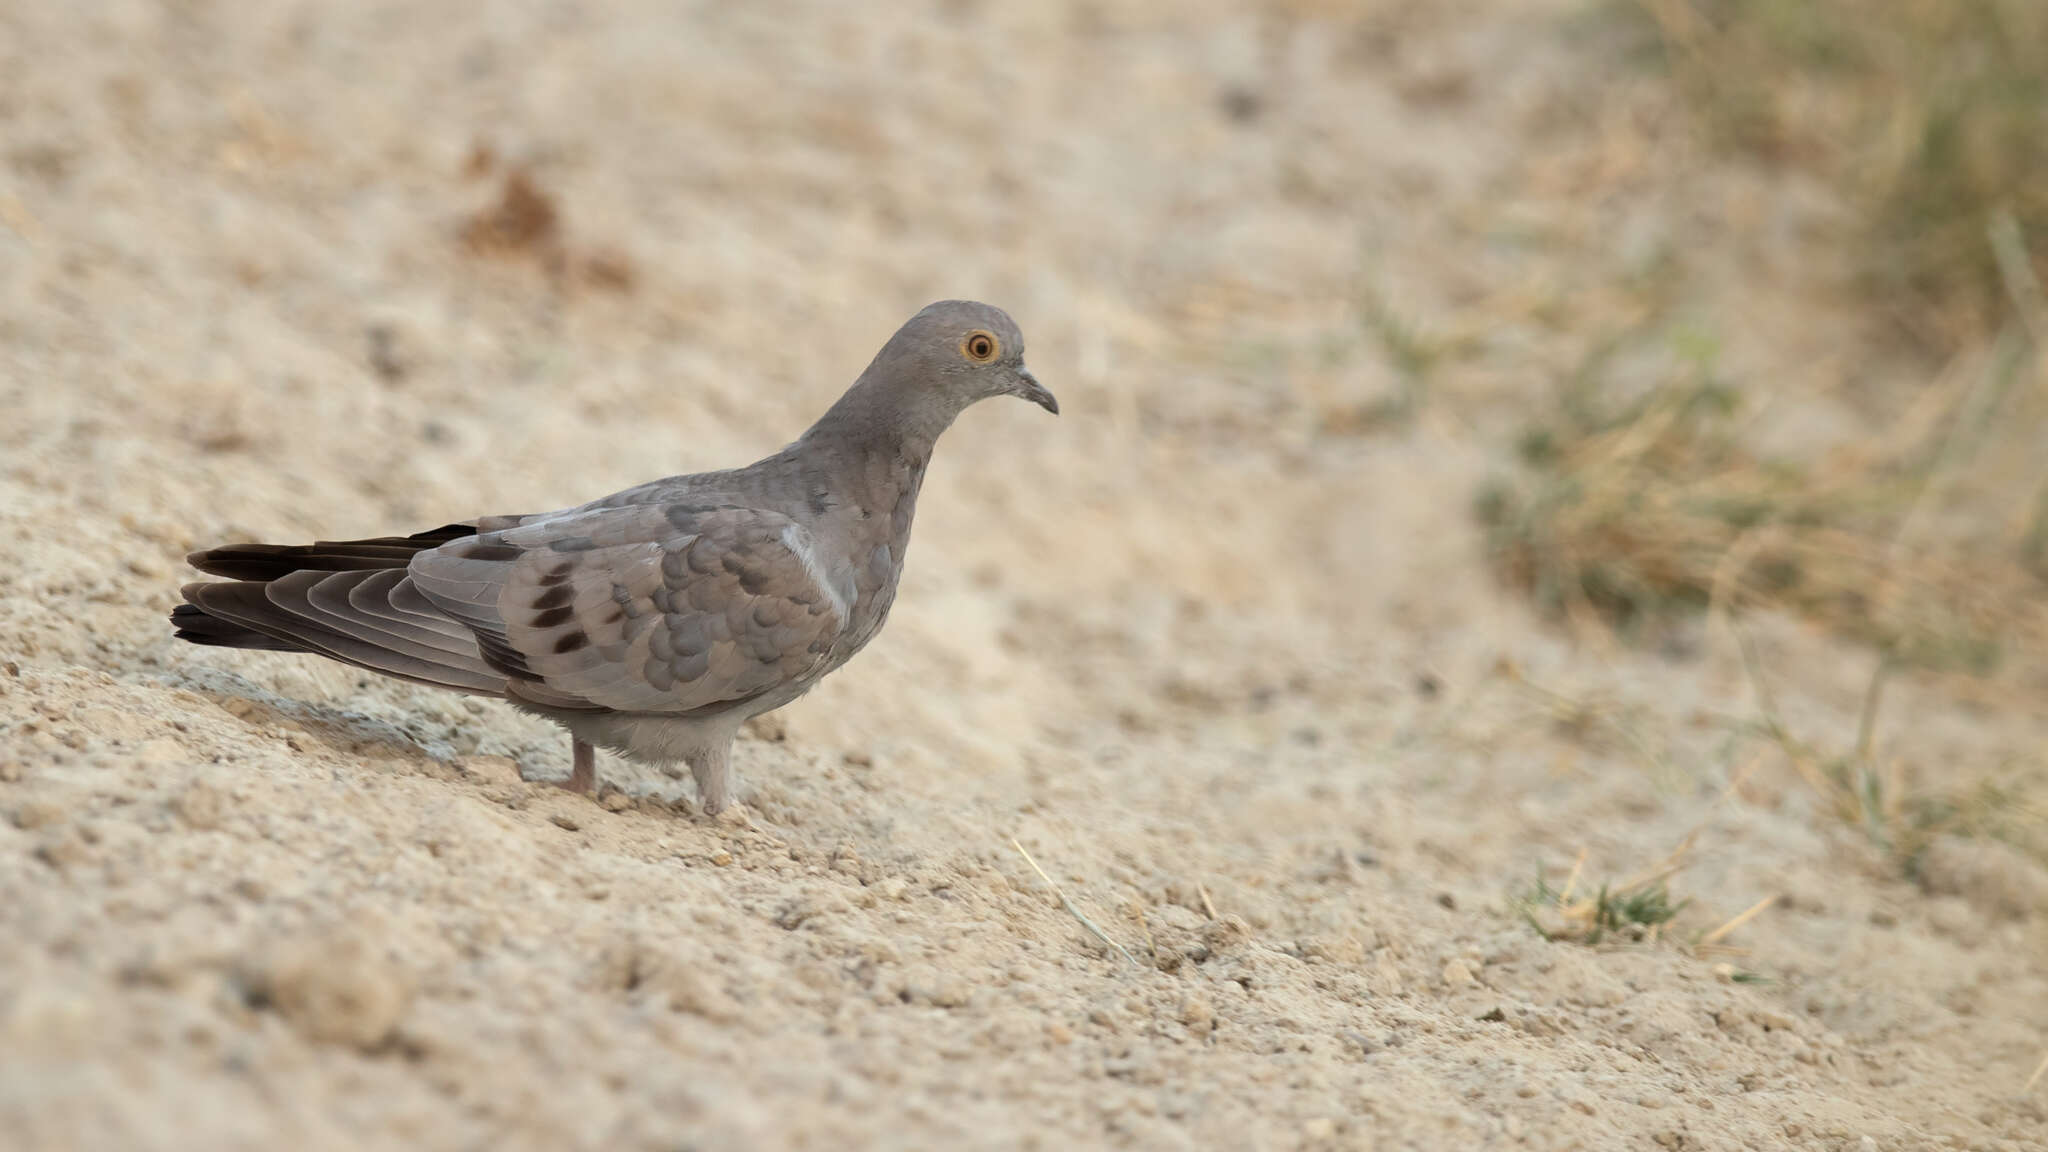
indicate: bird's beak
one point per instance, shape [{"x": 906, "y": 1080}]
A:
[{"x": 1030, "y": 389}]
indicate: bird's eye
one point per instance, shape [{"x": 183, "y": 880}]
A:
[{"x": 980, "y": 347}]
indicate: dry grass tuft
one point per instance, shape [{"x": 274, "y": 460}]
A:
[
  {"x": 1636, "y": 909},
  {"x": 1901, "y": 806},
  {"x": 1631, "y": 512},
  {"x": 1925, "y": 116}
]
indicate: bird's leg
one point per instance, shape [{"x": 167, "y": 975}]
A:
[
  {"x": 712, "y": 768},
  {"x": 583, "y": 774}
]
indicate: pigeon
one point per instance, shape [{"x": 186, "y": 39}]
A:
[{"x": 656, "y": 621}]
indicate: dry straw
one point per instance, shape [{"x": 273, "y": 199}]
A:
[{"x": 1069, "y": 905}]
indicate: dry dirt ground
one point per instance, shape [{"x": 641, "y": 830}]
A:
[{"x": 1218, "y": 647}]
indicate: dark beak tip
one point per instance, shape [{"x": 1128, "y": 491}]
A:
[{"x": 1037, "y": 393}]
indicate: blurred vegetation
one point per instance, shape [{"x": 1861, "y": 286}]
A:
[
  {"x": 1638, "y": 502},
  {"x": 1651, "y": 492},
  {"x": 1633, "y": 510},
  {"x": 1929, "y": 118},
  {"x": 1901, "y": 806},
  {"x": 1636, "y": 508}
]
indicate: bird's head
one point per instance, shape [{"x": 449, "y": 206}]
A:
[{"x": 966, "y": 351}]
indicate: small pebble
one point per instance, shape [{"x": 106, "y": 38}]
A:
[
  {"x": 334, "y": 987},
  {"x": 200, "y": 805},
  {"x": 33, "y": 814},
  {"x": 64, "y": 851}
]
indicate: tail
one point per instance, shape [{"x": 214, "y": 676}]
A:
[
  {"x": 194, "y": 626},
  {"x": 270, "y": 561},
  {"x": 348, "y": 600}
]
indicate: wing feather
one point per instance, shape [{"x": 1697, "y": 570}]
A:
[
  {"x": 310, "y": 610},
  {"x": 641, "y": 607}
]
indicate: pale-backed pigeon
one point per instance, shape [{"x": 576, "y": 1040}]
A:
[{"x": 656, "y": 621}]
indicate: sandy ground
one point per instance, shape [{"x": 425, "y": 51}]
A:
[{"x": 1216, "y": 647}]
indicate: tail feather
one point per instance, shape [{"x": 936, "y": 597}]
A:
[
  {"x": 349, "y": 601},
  {"x": 272, "y": 561},
  {"x": 284, "y": 612},
  {"x": 196, "y": 627}
]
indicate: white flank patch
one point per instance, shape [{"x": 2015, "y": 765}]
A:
[{"x": 798, "y": 541}]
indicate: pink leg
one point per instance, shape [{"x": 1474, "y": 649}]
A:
[
  {"x": 583, "y": 776},
  {"x": 713, "y": 770}
]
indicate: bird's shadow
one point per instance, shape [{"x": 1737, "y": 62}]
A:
[
  {"x": 341, "y": 729},
  {"x": 360, "y": 734}
]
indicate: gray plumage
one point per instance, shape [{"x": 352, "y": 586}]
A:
[{"x": 656, "y": 621}]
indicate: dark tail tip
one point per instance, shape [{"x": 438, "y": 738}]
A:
[{"x": 196, "y": 627}]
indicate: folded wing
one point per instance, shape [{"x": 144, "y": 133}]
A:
[{"x": 666, "y": 608}]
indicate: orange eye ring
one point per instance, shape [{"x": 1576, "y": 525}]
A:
[{"x": 980, "y": 347}]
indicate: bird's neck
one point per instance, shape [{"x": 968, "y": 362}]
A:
[
  {"x": 888, "y": 419},
  {"x": 864, "y": 461}
]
